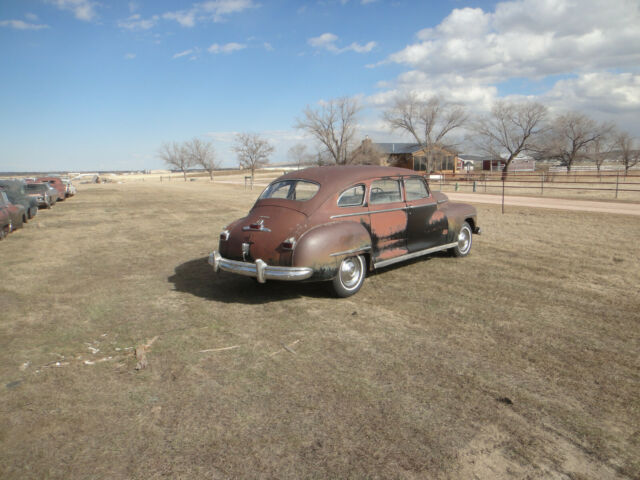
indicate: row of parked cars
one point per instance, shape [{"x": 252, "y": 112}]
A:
[{"x": 20, "y": 199}]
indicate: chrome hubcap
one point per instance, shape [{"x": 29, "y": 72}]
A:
[
  {"x": 350, "y": 272},
  {"x": 464, "y": 240}
]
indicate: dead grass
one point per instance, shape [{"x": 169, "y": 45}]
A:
[{"x": 408, "y": 379}]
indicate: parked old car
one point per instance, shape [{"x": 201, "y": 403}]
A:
[
  {"x": 5, "y": 220},
  {"x": 15, "y": 190},
  {"x": 41, "y": 192},
  {"x": 70, "y": 188},
  {"x": 338, "y": 223},
  {"x": 56, "y": 183},
  {"x": 17, "y": 213},
  {"x": 54, "y": 194}
]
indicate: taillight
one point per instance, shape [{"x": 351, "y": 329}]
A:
[
  {"x": 289, "y": 243},
  {"x": 224, "y": 235}
]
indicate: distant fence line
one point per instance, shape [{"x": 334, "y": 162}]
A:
[
  {"x": 588, "y": 168},
  {"x": 538, "y": 182}
]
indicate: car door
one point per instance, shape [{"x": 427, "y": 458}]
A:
[
  {"x": 388, "y": 217},
  {"x": 426, "y": 224}
]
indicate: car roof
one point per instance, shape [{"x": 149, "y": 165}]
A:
[
  {"x": 337, "y": 177},
  {"x": 334, "y": 179}
]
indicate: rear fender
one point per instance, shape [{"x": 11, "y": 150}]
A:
[{"x": 325, "y": 246}]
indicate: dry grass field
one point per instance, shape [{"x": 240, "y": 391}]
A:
[{"x": 520, "y": 361}]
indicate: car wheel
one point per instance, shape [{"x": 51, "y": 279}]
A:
[
  {"x": 463, "y": 247},
  {"x": 3, "y": 232},
  {"x": 350, "y": 277}
]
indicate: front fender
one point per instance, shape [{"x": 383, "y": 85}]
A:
[{"x": 323, "y": 247}]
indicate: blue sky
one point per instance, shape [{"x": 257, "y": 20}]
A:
[{"x": 100, "y": 85}]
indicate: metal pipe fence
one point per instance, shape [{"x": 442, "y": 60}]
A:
[{"x": 616, "y": 182}]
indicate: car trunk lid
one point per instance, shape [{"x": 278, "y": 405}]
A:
[{"x": 261, "y": 234}]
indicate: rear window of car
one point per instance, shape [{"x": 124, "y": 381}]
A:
[
  {"x": 36, "y": 187},
  {"x": 298, "y": 190},
  {"x": 352, "y": 196}
]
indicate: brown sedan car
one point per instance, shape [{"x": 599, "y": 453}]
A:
[{"x": 338, "y": 223}]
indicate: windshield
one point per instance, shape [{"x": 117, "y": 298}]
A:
[
  {"x": 299, "y": 190},
  {"x": 36, "y": 187}
]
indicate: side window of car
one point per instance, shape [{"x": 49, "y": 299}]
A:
[
  {"x": 385, "y": 191},
  {"x": 352, "y": 196},
  {"x": 415, "y": 189}
]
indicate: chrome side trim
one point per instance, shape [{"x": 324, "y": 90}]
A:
[
  {"x": 260, "y": 270},
  {"x": 368, "y": 212},
  {"x": 247, "y": 228},
  {"x": 388, "y": 210},
  {"x": 349, "y": 215},
  {"x": 353, "y": 250},
  {"x": 421, "y": 206},
  {"x": 409, "y": 256}
]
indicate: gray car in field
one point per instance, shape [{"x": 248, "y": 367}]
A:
[
  {"x": 17, "y": 194},
  {"x": 43, "y": 193}
]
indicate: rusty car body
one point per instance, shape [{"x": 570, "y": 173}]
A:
[
  {"x": 5, "y": 220},
  {"x": 17, "y": 194},
  {"x": 17, "y": 213},
  {"x": 338, "y": 223},
  {"x": 56, "y": 183}
]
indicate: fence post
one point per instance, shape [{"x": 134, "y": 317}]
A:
[
  {"x": 503, "y": 195},
  {"x": 542, "y": 184},
  {"x": 617, "y": 179},
  {"x": 474, "y": 186}
]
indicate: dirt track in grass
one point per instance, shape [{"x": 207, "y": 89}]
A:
[{"x": 519, "y": 361}]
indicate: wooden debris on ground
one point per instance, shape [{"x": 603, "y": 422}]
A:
[
  {"x": 218, "y": 349},
  {"x": 141, "y": 353}
]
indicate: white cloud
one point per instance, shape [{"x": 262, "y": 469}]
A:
[
  {"x": 327, "y": 41},
  {"x": 183, "y": 53},
  {"x": 592, "y": 45},
  {"x": 184, "y": 18},
  {"x": 367, "y": 2},
  {"x": 607, "y": 92},
  {"x": 226, "y": 48},
  {"x": 212, "y": 11},
  {"x": 22, "y": 25},
  {"x": 31, "y": 16},
  {"x": 129, "y": 56},
  {"x": 136, "y": 22},
  {"x": 133, "y": 7},
  {"x": 529, "y": 38},
  {"x": 82, "y": 9},
  {"x": 267, "y": 46}
]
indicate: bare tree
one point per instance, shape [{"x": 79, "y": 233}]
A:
[
  {"x": 427, "y": 121},
  {"x": 298, "y": 153},
  {"x": 629, "y": 155},
  {"x": 175, "y": 155},
  {"x": 253, "y": 152},
  {"x": 570, "y": 136},
  {"x": 511, "y": 129},
  {"x": 203, "y": 154},
  {"x": 333, "y": 125},
  {"x": 603, "y": 147}
]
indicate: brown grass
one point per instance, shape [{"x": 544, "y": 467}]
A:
[{"x": 520, "y": 361}]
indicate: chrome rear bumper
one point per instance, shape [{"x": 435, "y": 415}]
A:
[{"x": 259, "y": 270}]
